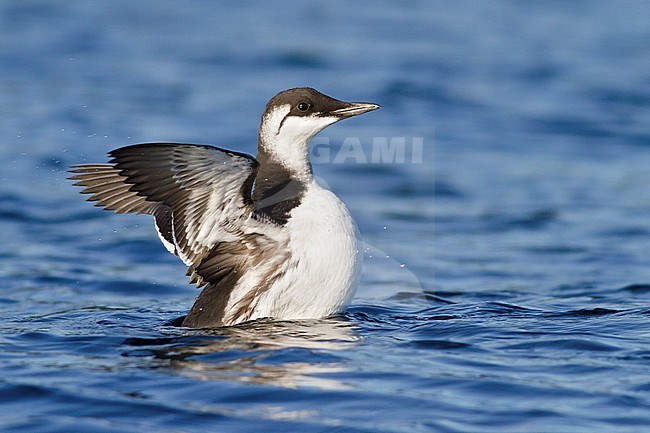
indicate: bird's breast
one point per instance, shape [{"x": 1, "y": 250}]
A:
[{"x": 326, "y": 258}]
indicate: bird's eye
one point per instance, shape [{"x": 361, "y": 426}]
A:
[{"x": 304, "y": 106}]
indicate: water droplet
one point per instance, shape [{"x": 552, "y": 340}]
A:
[
  {"x": 385, "y": 227},
  {"x": 402, "y": 265}
]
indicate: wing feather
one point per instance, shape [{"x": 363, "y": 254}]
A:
[
  {"x": 200, "y": 198},
  {"x": 204, "y": 187}
]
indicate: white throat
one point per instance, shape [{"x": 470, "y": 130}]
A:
[{"x": 286, "y": 138}]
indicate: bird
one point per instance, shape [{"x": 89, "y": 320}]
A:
[{"x": 259, "y": 235}]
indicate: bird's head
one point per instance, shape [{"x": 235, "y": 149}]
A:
[{"x": 293, "y": 117}]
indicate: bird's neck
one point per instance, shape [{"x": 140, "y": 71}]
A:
[
  {"x": 280, "y": 183},
  {"x": 284, "y": 143}
]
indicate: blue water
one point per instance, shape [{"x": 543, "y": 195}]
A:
[{"x": 507, "y": 273}]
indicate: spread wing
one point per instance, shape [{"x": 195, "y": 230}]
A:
[
  {"x": 200, "y": 198},
  {"x": 197, "y": 194}
]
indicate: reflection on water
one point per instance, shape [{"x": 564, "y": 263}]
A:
[{"x": 262, "y": 352}]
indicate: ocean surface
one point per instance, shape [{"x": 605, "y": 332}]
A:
[{"x": 502, "y": 193}]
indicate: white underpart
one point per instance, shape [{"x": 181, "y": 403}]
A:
[
  {"x": 286, "y": 138},
  {"x": 324, "y": 266}
]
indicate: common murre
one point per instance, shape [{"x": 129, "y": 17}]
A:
[{"x": 260, "y": 235}]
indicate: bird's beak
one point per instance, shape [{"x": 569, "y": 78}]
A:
[{"x": 353, "y": 109}]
